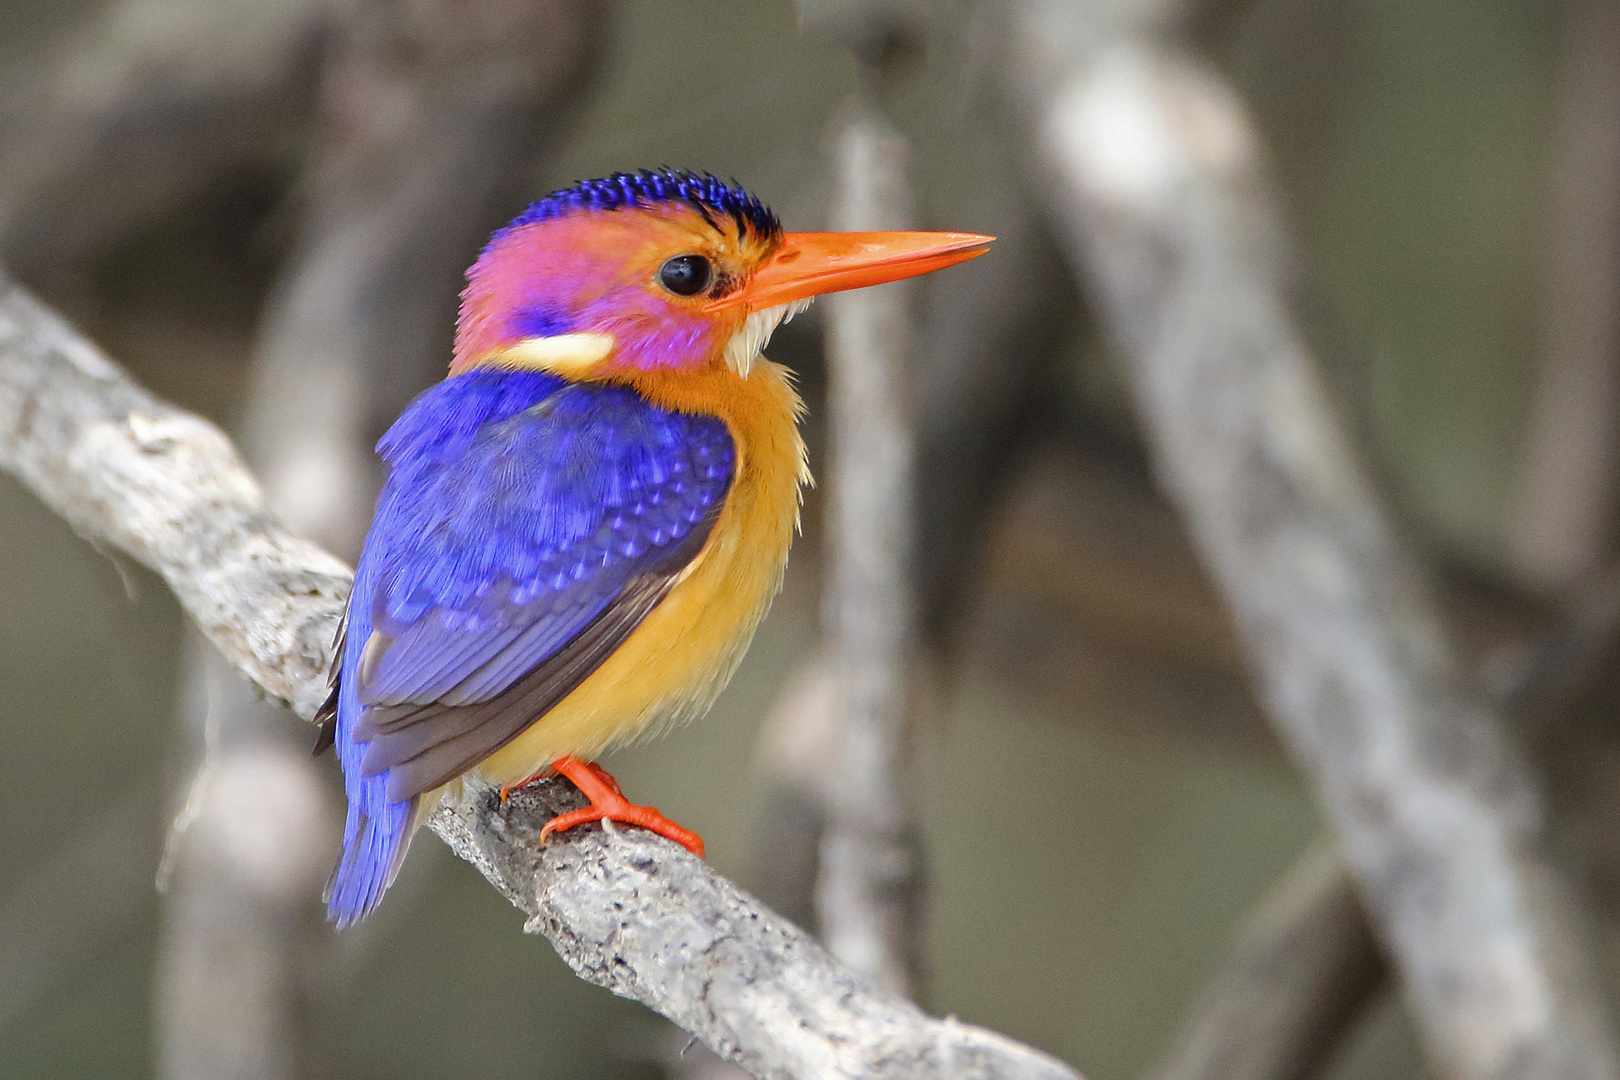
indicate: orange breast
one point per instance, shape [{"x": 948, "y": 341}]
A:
[{"x": 672, "y": 666}]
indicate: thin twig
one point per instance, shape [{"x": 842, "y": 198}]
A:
[
  {"x": 868, "y": 893},
  {"x": 632, "y": 912}
]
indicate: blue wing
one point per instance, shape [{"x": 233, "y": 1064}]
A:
[{"x": 526, "y": 528}]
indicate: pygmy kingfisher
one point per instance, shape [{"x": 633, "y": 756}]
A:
[{"x": 583, "y": 524}]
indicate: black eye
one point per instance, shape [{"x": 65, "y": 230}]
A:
[{"x": 686, "y": 275}]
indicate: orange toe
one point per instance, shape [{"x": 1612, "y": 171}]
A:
[{"x": 608, "y": 802}]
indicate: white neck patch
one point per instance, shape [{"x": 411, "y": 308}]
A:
[
  {"x": 747, "y": 343},
  {"x": 569, "y": 355}
]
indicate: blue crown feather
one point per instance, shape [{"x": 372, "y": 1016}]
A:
[{"x": 703, "y": 191}]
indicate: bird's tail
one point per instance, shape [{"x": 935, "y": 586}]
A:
[{"x": 374, "y": 846}]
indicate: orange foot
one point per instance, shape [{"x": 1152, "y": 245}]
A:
[
  {"x": 608, "y": 802},
  {"x": 601, "y": 773}
]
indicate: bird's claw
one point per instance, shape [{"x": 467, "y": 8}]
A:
[{"x": 609, "y": 804}]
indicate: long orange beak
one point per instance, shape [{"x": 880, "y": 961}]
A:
[{"x": 808, "y": 264}]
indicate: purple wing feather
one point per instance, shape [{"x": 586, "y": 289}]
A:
[{"x": 526, "y": 527}]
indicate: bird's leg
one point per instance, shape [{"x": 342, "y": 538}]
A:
[
  {"x": 605, "y": 776},
  {"x": 551, "y": 770},
  {"x": 607, "y": 801}
]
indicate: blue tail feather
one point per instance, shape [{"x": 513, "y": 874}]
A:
[
  {"x": 376, "y": 832},
  {"x": 374, "y": 847}
]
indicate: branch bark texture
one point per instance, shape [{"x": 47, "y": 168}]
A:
[
  {"x": 631, "y": 912},
  {"x": 1154, "y": 173},
  {"x": 135, "y": 473}
]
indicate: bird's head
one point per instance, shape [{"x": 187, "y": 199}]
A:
[{"x": 663, "y": 270}]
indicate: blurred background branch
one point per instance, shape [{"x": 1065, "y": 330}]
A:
[
  {"x": 869, "y": 895},
  {"x": 1157, "y": 178},
  {"x": 869, "y": 882},
  {"x": 1302, "y": 969},
  {"x": 1563, "y": 521},
  {"x": 1306, "y": 967},
  {"x": 140, "y": 113}
]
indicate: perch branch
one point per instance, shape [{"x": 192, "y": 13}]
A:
[
  {"x": 1156, "y": 182},
  {"x": 133, "y": 472},
  {"x": 630, "y": 912}
]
